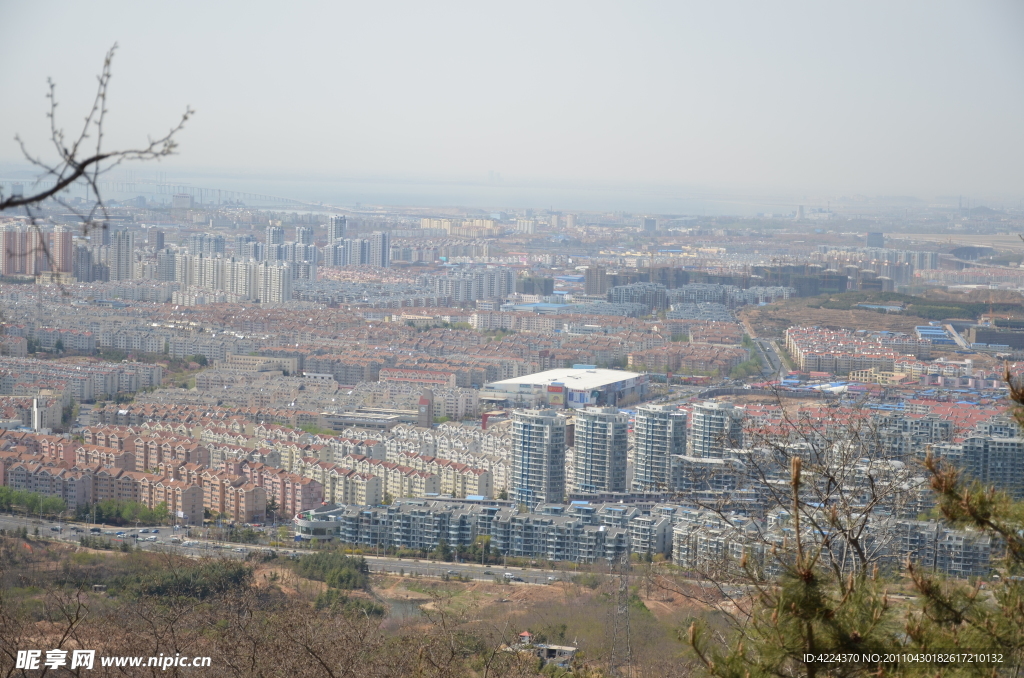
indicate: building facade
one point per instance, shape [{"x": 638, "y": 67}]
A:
[
  {"x": 659, "y": 434},
  {"x": 599, "y": 460},
  {"x": 538, "y": 456}
]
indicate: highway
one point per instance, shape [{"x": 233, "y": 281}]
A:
[
  {"x": 207, "y": 547},
  {"x": 534, "y": 576},
  {"x": 770, "y": 356}
]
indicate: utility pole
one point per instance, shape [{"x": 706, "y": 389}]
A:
[{"x": 621, "y": 632}]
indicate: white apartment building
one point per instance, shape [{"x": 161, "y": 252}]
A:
[
  {"x": 659, "y": 433},
  {"x": 714, "y": 428},
  {"x": 538, "y": 457},
  {"x": 599, "y": 460}
]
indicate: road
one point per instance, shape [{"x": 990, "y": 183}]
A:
[
  {"x": 85, "y": 412},
  {"x": 770, "y": 355},
  {"x": 209, "y": 547},
  {"x": 960, "y": 341},
  {"x": 534, "y": 576}
]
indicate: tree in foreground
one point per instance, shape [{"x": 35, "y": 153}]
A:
[
  {"x": 82, "y": 158},
  {"x": 814, "y": 620}
]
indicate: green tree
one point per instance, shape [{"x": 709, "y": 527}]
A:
[
  {"x": 746, "y": 369},
  {"x": 810, "y": 610},
  {"x": 443, "y": 551},
  {"x": 30, "y": 502},
  {"x": 272, "y": 507},
  {"x": 115, "y": 512},
  {"x": 244, "y": 536},
  {"x": 335, "y": 569},
  {"x": 318, "y": 430}
]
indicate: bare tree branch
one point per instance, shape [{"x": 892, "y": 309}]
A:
[{"x": 71, "y": 166}]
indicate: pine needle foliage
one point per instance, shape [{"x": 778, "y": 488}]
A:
[{"x": 810, "y": 621}]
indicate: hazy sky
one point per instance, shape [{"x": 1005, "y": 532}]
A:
[{"x": 922, "y": 98}]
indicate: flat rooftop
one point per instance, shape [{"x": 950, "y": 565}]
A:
[{"x": 573, "y": 378}]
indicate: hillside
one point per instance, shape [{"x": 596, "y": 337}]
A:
[{"x": 840, "y": 310}]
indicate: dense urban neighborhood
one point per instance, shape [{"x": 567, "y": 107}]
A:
[{"x": 511, "y": 340}]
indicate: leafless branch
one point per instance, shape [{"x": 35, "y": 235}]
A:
[
  {"x": 81, "y": 160},
  {"x": 71, "y": 166}
]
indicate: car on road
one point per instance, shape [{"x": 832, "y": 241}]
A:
[
  {"x": 451, "y": 572},
  {"x": 175, "y": 540},
  {"x": 149, "y": 539},
  {"x": 95, "y": 530},
  {"x": 238, "y": 550},
  {"x": 54, "y": 528},
  {"x": 144, "y": 530},
  {"x": 551, "y": 579},
  {"x": 156, "y": 530}
]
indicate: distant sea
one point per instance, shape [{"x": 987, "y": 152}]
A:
[
  {"x": 486, "y": 196},
  {"x": 365, "y": 193}
]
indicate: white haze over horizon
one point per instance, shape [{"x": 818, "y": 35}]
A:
[{"x": 670, "y": 107}]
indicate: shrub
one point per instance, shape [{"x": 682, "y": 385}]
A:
[
  {"x": 337, "y": 602},
  {"x": 335, "y": 569},
  {"x": 589, "y": 580},
  {"x": 193, "y": 580}
]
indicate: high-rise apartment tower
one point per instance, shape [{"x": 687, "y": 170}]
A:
[
  {"x": 599, "y": 463},
  {"x": 714, "y": 428},
  {"x": 659, "y": 433},
  {"x": 122, "y": 255},
  {"x": 538, "y": 457}
]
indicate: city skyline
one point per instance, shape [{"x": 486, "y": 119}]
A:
[{"x": 514, "y": 340}]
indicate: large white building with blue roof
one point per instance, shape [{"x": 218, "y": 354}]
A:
[{"x": 576, "y": 387}]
